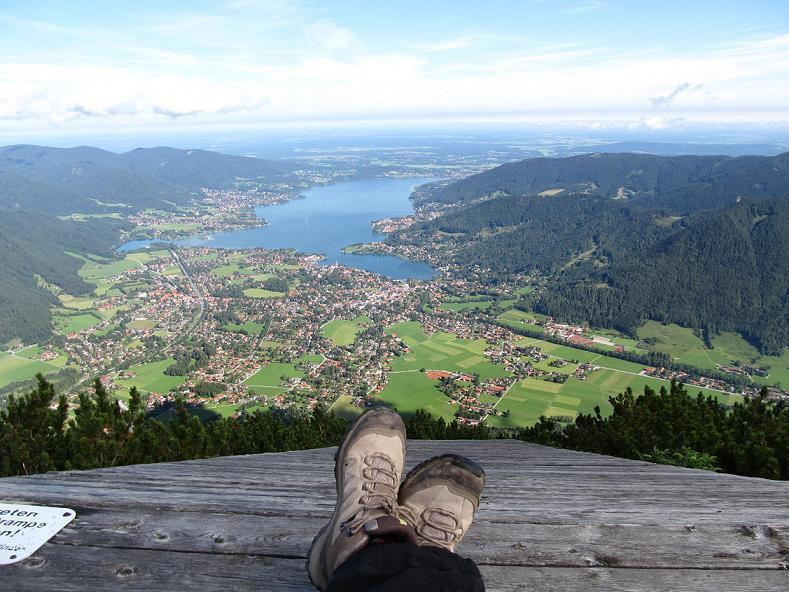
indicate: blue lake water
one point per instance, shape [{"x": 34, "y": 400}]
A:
[{"x": 327, "y": 219}]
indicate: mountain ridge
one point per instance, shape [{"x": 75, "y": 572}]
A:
[
  {"x": 680, "y": 183},
  {"x": 698, "y": 254},
  {"x": 85, "y": 179}
]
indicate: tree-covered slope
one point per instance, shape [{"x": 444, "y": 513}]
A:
[
  {"x": 194, "y": 169},
  {"x": 37, "y": 183},
  {"x": 724, "y": 271},
  {"x": 84, "y": 179},
  {"x": 658, "y": 254},
  {"x": 34, "y": 245},
  {"x": 680, "y": 183}
]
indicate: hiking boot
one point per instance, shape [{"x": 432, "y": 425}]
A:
[
  {"x": 367, "y": 467},
  {"x": 439, "y": 498}
]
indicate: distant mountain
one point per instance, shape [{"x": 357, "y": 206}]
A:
[
  {"x": 700, "y": 241},
  {"x": 679, "y": 148},
  {"x": 84, "y": 179},
  {"x": 682, "y": 184},
  {"x": 38, "y": 183}
]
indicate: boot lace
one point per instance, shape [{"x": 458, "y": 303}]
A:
[
  {"x": 379, "y": 487},
  {"x": 437, "y": 527}
]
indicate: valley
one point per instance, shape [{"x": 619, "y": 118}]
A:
[{"x": 234, "y": 331}]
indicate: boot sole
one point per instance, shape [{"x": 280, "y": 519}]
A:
[{"x": 318, "y": 544}]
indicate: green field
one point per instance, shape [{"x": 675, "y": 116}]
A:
[
  {"x": 173, "y": 270},
  {"x": 443, "y": 351},
  {"x": 94, "y": 270},
  {"x": 268, "y": 380},
  {"x": 234, "y": 264},
  {"x": 519, "y": 319},
  {"x": 411, "y": 391},
  {"x": 76, "y": 302},
  {"x": 250, "y": 327},
  {"x": 33, "y": 352},
  {"x": 142, "y": 324},
  {"x": 208, "y": 411},
  {"x": 262, "y": 293},
  {"x": 681, "y": 343},
  {"x": 469, "y": 305},
  {"x": 151, "y": 378},
  {"x": 66, "y": 324},
  {"x": 342, "y": 332},
  {"x": 533, "y": 397},
  {"x": 146, "y": 256},
  {"x": 15, "y": 369}
]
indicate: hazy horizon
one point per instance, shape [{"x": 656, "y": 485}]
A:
[{"x": 97, "y": 68}]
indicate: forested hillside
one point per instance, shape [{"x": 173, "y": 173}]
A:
[
  {"x": 38, "y": 183},
  {"x": 658, "y": 254},
  {"x": 34, "y": 246},
  {"x": 680, "y": 183},
  {"x": 86, "y": 180}
]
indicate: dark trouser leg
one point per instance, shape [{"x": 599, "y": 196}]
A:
[{"x": 403, "y": 567}]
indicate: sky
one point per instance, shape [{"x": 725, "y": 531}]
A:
[{"x": 82, "y": 66}]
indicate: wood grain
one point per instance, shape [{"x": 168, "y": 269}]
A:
[{"x": 550, "y": 520}]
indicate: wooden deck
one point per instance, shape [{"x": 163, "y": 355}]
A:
[{"x": 550, "y": 520}]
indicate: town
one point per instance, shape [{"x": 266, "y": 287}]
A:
[{"x": 231, "y": 332}]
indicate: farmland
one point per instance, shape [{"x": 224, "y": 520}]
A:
[
  {"x": 269, "y": 379},
  {"x": 73, "y": 323},
  {"x": 342, "y": 332},
  {"x": 682, "y": 344},
  {"x": 527, "y": 399},
  {"x": 262, "y": 293},
  {"x": 443, "y": 351},
  {"x": 530, "y": 398},
  {"x": 150, "y": 378},
  {"x": 16, "y": 367},
  {"x": 410, "y": 391}
]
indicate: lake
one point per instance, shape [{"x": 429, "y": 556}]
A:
[{"x": 327, "y": 219}]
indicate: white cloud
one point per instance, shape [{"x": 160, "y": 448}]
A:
[
  {"x": 330, "y": 36},
  {"x": 330, "y": 73},
  {"x": 460, "y": 42},
  {"x": 58, "y": 94},
  {"x": 666, "y": 101}
]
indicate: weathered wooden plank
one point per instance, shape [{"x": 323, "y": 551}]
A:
[
  {"x": 301, "y": 484},
  {"x": 547, "y": 516},
  {"x": 621, "y": 545},
  {"x": 65, "y": 568},
  {"x": 533, "y": 500},
  {"x": 529, "y": 579}
]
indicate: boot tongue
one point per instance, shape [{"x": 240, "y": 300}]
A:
[{"x": 390, "y": 529}]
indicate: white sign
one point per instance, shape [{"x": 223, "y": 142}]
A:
[{"x": 24, "y": 529}]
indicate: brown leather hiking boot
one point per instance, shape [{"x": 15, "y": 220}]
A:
[
  {"x": 367, "y": 466},
  {"x": 439, "y": 498}
]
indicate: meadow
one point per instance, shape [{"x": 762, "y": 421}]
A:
[
  {"x": 410, "y": 391},
  {"x": 681, "y": 343},
  {"x": 262, "y": 293},
  {"x": 150, "y": 378},
  {"x": 530, "y": 398},
  {"x": 268, "y": 380},
  {"x": 250, "y": 328},
  {"x": 443, "y": 351},
  {"x": 15, "y": 368},
  {"x": 73, "y": 323},
  {"x": 343, "y": 332}
]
